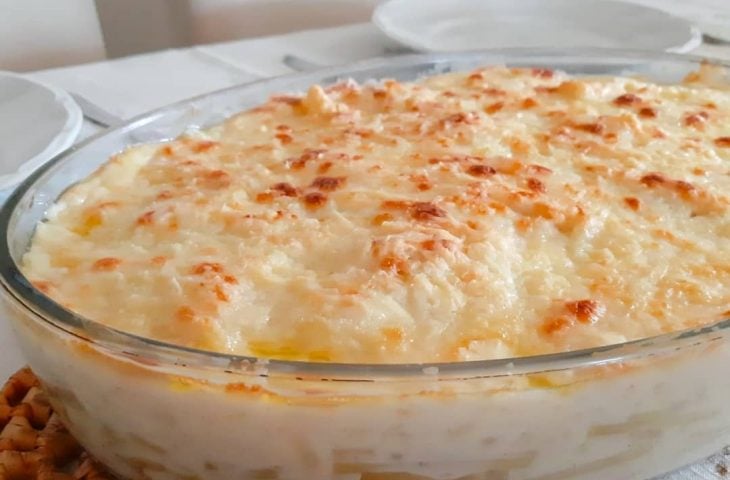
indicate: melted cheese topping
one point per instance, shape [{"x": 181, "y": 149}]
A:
[{"x": 501, "y": 212}]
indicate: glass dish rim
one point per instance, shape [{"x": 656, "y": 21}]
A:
[{"x": 18, "y": 288}]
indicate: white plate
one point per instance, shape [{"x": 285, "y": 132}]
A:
[
  {"x": 37, "y": 122},
  {"x": 438, "y": 25},
  {"x": 710, "y": 16}
]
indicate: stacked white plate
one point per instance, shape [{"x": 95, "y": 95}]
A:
[{"x": 436, "y": 25}]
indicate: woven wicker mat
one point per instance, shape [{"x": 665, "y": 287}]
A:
[{"x": 34, "y": 445}]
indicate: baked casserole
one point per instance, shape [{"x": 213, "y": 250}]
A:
[{"x": 494, "y": 213}]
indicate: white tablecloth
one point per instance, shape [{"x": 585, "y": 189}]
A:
[{"x": 131, "y": 86}]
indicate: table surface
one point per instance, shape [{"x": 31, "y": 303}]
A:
[{"x": 133, "y": 85}]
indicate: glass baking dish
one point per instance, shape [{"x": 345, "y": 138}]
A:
[{"x": 151, "y": 410}]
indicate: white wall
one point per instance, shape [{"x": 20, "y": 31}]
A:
[
  {"x": 37, "y": 34},
  {"x": 221, "y": 20},
  {"x": 134, "y": 26}
]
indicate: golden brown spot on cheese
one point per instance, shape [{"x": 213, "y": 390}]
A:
[
  {"x": 542, "y": 89},
  {"x": 494, "y": 108},
  {"x": 543, "y": 210},
  {"x": 571, "y": 90},
  {"x": 220, "y": 294},
  {"x": 475, "y": 76},
  {"x": 519, "y": 146},
  {"x": 215, "y": 179},
  {"x": 287, "y": 99},
  {"x": 422, "y": 182},
  {"x": 538, "y": 169},
  {"x": 542, "y": 72},
  {"x": 158, "y": 260},
  {"x": 658, "y": 133},
  {"x": 106, "y": 264},
  {"x": 285, "y": 189},
  {"x": 536, "y": 185},
  {"x": 723, "y": 142},
  {"x": 328, "y": 184},
  {"x": 172, "y": 222},
  {"x": 594, "y": 128},
  {"x": 324, "y": 167},
  {"x": 380, "y": 94},
  {"x": 364, "y": 133},
  {"x": 426, "y": 211},
  {"x": 185, "y": 314},
  {"x": 243, "y": 388},
  {"x": 395, "y": 204},
  {"x": 507, "y": 166},
  {"x": 166, "y": 151},
  {"x": 554, "y": 325},
  {"x": 395, "y": 265},
  {"x": 381, "y": 218},
  {"x": 206, "y": 267},
  {"x": 315, "y": 200},
  {"x": 653, "y": 179},
  {"x": 90, "y": 221},
  {"x": 435, "y": 244},
  {"x": 264, "y": 197},
  {"x": 164, "y": 195},
  {"x": 461, "y": 118},
  {"x": 685, "y": 189},
  {"x": 632, "y": 202},
  {"x": 696, "y": 120},
  {"x": 481, "y": 170},
  {"x": 93, "y": 218},
  {"x": 585, "y": 311},
  {"x": 672, "y": 238},
  {"x": 392, "y": 334},
  {"x": 528, "y": 103},
  {"x": 523, "y": 224},
  {"x": 147, "y": 218},
  {"x": 647, "y": 112},
  {"x": 494, "y": 92},
  {"x": 203, "y": 146},
  {"x": 284, "y": 138},
  {"x": 627, "y": 99},
  {"x": 306, "y": 157}
]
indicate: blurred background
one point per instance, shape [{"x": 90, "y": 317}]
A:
[
  {"x": 41, "y": 34},
  {"x": 38, "y": 34}
]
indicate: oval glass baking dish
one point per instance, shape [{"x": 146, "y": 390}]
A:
[{"x": 157, "y": 411}]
